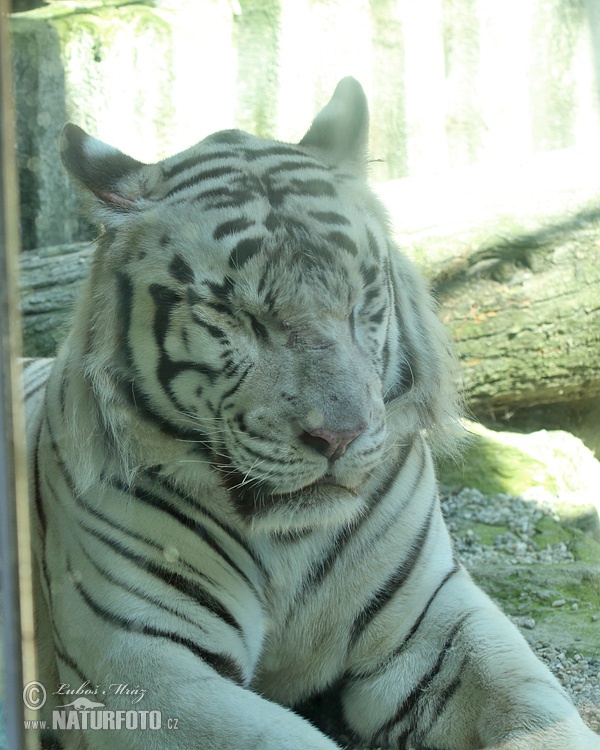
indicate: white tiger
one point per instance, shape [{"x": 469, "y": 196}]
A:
[{"x": 235, "y": 507}]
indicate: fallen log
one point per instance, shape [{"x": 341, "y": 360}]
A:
[{"x": 51, "y": 278}]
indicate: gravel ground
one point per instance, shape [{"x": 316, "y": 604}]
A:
[{"x": 579, "y": 674}]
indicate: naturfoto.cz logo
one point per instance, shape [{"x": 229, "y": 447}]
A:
[{"x": 83, "y": 713}]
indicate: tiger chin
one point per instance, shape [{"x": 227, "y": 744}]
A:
[{"x": 234, "y": 504}]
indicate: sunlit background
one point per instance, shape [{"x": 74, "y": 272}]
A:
[{"x": 451, "y": 83}]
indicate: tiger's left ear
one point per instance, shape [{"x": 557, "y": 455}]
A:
[{"x": 341, "y": 128}]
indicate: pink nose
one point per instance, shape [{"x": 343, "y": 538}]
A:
[{"x": 331, "y": 443}]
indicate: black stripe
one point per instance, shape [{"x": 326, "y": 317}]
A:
[
  {"x": 244, "y": 251},
  {"x": 411, "y": 633},
  {"x": 443, "y": 698},
  {"x": 369, "y": 274},
  {"x": 181, "y": 270},
  {"x": 36, "y": 380},
  {"x": 222, "y": 291},
  {"x": 140, "y": 402},
  {"x": 313, "y": 188},
  {"x": 232, "y": 532},
  {"x": 373, "y": 246},
  {"x": 143, "y": 563},
  {"x": 329, "y": 217},
  {"x": 260, "y": 330},
  {"x": 143, "y": 595},
  {"x": 186, "y": 586},
  {"x": 194, "y": 161},
  {"x": 62, "y": 393},
  {"x": 62, "y": 654},
  {"x": 419, "y": 691},
  {"x": 210, "y": 174},
  {"x": 226, "y": 197},
  {"x": 371, "y": 294},
  {"x": 342, "y": 240},
  {"x": 33, "y": 389},
  {"x": 406, "y": 374},
  {"x": 37, "y": 490},
  {"x": 282, "y": 150},
  {"x": 385, "y": 359},
  {"x": 235, "y": 387},
  {"x": 168, "y": 369},
  {"x": 222, "y": 664},
  {"x": 377, "y": 317},
  {"x": 235, "y": 226},
  {"x": 352, "y": 322},
  {"x": 123, "y": 317},
  {"x": 394, "y": 583},
  {"x": 384, "y": 662},
  {"x": 164, "y": 505},
  {"x": 323, "y": 567},
  {"x": 214, "y": 331},
  {"x": 293, "y": 166},
  {"x": 231, "y": 366}
]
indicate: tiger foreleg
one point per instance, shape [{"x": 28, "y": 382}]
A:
[
  {"x": 470, "y": 681},
  {"x": 198, "y": 711}
]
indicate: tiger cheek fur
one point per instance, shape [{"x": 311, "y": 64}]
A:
[{"x": 232, "y": 490}]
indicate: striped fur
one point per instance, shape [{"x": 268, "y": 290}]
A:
[{"x": 234, "y": 502}]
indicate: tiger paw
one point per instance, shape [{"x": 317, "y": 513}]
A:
[{"x": 569, "y": 735}]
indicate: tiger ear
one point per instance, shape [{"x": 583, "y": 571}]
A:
[
  {"x": 104, "y": 170},
  {"x": 342, "y": 127}
]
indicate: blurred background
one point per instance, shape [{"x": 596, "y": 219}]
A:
[{"x": 451, "y": 83}]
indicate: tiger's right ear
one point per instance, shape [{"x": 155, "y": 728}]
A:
[
  {"x": 104, "y": 170},
  {"x": 341, "y": 129}
]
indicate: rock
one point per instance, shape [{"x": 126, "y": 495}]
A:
[{"x": 555, "y": 462}]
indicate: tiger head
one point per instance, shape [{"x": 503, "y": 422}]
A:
[{"x": 246, "y": 303}]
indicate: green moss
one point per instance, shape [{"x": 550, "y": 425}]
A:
[
  {"x": 484, "y": 533},
  {"x": 492, "y": 466},
  {"x": 584, "y": 548},
  {"x": 582, "y": 545},
  {"x": 550, "y": 532},
  {"x": 531, "y": 590},
  {"x": 587, "y": 590}
]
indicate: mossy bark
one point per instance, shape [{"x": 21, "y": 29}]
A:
[{"x": 525, "y": 317}]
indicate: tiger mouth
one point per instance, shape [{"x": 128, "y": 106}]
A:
[{"x": 260, "y": 497}]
